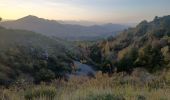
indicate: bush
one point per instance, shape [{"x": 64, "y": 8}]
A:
[
  {"x": 141, "y": 97},
  {"x": 105, "y": 97},
  {"x": 45, "y": 92},
  {"x": 44, "y": 75}
]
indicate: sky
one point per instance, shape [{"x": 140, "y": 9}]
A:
[{"x": 112, "y": 11}]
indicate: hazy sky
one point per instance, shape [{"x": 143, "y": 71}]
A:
[{"x": 115, "y": 11}]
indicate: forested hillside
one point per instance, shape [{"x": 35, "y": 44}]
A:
[
  {"x": 147, "y": 46},
  {"x": 33, "y": 57},
  {"x": 135, "y": 65},
  {"x": 25, "y": 54}
]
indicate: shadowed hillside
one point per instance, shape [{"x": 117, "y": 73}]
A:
[{"x": 33, "y": 57}]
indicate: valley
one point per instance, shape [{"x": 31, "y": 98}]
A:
[{"x": 130, "y": 64}]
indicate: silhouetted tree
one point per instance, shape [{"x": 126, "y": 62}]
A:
[{"x": 156, "y": 18}]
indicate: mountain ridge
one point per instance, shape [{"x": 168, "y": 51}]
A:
[{"x": 66, "y": 31}]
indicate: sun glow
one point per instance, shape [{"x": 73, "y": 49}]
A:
[{"x": 118, "y": 11}]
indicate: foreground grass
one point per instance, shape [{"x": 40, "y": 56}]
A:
[{"x": 118, "y": 87}]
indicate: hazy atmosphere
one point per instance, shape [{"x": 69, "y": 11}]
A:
[
  {"x": 84, "y": 49},
  {"x": 112, "y": 11}
]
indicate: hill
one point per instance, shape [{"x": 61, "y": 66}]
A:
[
  {"x": 61, "y": 30},
  {"x": 27, "y": 58},
  {"x": 33, "y": 57},
  {"x": 147, "y": 45}
]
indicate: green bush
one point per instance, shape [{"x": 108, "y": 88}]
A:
[{"x": 44, "y": 75}]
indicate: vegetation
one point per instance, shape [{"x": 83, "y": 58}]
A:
[
  {"x": 134, "y": 65},
  {"x": 32, "y": 57},
  {"x": 138, "y": 86},
  {"x": 147, "y": 46}
]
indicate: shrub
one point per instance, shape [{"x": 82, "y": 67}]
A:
[
  {"x": 44, "y": 75},
  {"x": 141, "y": 97},
  {"x": 46, "y": 92},
  {"x": 106, "y": 97}
]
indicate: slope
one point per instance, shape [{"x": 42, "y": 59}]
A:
[
  {"x": 33, "y": 57},
  {"x": 147, "y": 45}
]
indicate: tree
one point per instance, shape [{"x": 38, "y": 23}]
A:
[
  {"x": 127, "y": 63},
  {"x": 95, "y": 54},
  {"x": 156, "y": 18},
  {"x": 44, "y": 75},
  {"x": 166, "y": 53},
  {"x": 0, "y": 19},
  {"x": 150, "y": 58}
]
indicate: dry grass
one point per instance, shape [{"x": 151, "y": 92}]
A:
[{"x": 103, "y": 87}]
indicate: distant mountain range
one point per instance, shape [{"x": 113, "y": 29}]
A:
[
  {"x": 79, "y": 22},
  {"x": 61, "y": 29}
]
